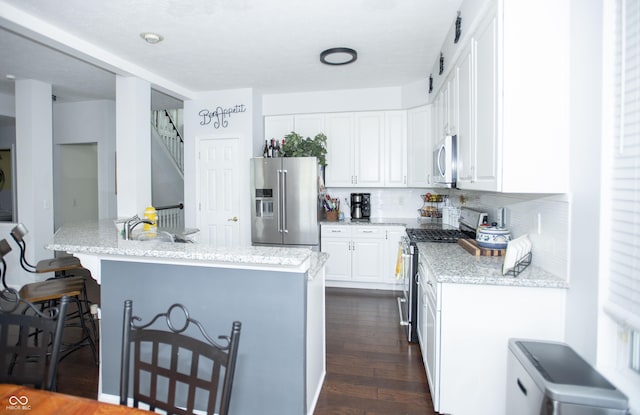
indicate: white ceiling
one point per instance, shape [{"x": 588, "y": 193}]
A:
[{"x": 272, "y": 46}]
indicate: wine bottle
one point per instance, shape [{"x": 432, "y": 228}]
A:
[
  {"x": 265, "y": 150},
  {"x": 276, "y": 150}
]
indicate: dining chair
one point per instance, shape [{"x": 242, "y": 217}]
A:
[
  {"x": 173, "y": 371},
  {"x": 30, "y": 340},
  {"x": 48, "y": 293}
]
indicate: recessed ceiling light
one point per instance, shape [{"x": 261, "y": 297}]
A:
[
  {"x": 338, "y": 56},
  {"x": 10, "y": 76},
  {"x": 151, "y": 38}
]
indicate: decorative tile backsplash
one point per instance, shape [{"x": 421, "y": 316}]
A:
[{"x": 545, "y": 218}]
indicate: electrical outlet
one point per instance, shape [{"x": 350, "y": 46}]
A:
[{"x": 401, "y": 201}]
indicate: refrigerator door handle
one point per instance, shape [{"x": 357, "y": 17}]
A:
[
  {"x": 284, "y": 202},
  {"x": 279, "y": 194}
]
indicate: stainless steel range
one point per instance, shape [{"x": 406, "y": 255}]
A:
[{"x": 408, "y": 304}]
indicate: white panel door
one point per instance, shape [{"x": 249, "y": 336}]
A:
[
  {"x": 340, "y": 162},
  {"x": 368, "y": 259},
  {"x": 395, "y": 154},
  {"x": 466, "y": 110},
  {"x": 338, "y": 265},
  {"x": 368, "y": 149},
  {"x": 419, "y": 143},
  {"x": 219, "y": 193},
  {"x": 486, "y": 148}
]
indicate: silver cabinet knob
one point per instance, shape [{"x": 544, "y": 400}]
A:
[{"x": 233, "y": 219}]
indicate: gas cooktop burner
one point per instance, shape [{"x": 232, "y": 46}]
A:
[{"x": 435, "y": 235}]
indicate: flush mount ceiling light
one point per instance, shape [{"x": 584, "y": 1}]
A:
[
  {"x": 338, "y": 56},
  {"x": 151, "y": 38}
]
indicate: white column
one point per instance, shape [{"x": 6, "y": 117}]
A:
[
  {"x": 34, "y": 164},
  {"x": 133, "y": 145}
]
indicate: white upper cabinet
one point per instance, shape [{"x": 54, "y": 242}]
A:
[
  {"x": 340, "y": 132},
  {"x": 309, "y": 125},
  {"x": 419, "y": 146},
  {"x": 466, "y": 106},
  {"x": 395, "y": 149},
  {"x": 369, "y": 149},
  {"x": 511, "y": 81},
  {"x": 364, "y": 149},
  {"x": 485, "y": 168},
  {"x": 277, "y": 126}
]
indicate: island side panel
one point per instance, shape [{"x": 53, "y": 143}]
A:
[{"x": 270, "y": 371}]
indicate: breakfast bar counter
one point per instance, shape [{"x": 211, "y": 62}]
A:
[{"x": 277, "y": 294}]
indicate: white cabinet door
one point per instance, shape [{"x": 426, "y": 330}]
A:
[
  {"x": 367, "y": 257},
  {"x": 421, "y": 328},
  {"x": 419, "y": 147},
  {"x": 277, "y": 126},
  {"x": 486, "y": 148},
  {"x": 452, "y": 103},
  {"x": 338, "y": 265},
  {"x": 438, "y": 117},
  {"x": 395, "y": 149},
  {"x": 369, "y": 149},
  {"x": 340, "y": 146},
  {"x": 466, "y": 108},
  {"x": 393, "y": 236},
  {"x": 309, "y": 125}
]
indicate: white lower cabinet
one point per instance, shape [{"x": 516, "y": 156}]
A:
[
  {"x": 359, "y": 255},
  {"x": 470, "y": 326}
]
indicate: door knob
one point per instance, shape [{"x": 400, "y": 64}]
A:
[{"x": 233, "y": 219}]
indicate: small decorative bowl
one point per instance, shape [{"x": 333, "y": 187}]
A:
[{"x": 493, "y": 237}]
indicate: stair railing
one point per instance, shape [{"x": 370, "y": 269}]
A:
[
  {"x": 171, "y": 137},
  {"x": 171, "y": 216}
]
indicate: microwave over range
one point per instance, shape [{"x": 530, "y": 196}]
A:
[{"x": 444, "y": 162}]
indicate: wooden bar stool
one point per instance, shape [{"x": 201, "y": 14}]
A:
[
  {"x": 49, "y": 293},
  {"x": 60, "y": 265},
  {"x": 66, "y": 266}
]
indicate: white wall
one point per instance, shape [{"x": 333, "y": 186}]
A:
[
  {"x": 90, "y": 122},
  {"x": 7, "y": 105},
  {"x": 240, "y": 126},
  {"x": 586, "y": 138},
  {"x": 370, "y": 99}
]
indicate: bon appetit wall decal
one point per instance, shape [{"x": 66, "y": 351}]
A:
[{"x": 219, "y": 117}]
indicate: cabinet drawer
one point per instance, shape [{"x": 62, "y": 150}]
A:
[
  {"x": 335, "y": 231},
  {"x": 368, "y": 232}
]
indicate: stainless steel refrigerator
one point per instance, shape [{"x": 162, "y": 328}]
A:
[{"x": 285, "y": 209}]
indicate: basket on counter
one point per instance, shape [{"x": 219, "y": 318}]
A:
[{"x": 430, "y": 212}]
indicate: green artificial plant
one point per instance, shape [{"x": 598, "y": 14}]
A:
[{"x": 297, "y": 146}]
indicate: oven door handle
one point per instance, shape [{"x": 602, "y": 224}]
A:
[{"x": 403, "y": 322}]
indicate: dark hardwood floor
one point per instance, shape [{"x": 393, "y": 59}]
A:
[{"x": 371, "y": 368}]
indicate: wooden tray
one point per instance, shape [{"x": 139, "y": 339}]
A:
[{"x": 472, "y": 247}]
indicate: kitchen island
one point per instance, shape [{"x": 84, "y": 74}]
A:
[{"x": 277, "y": 294}]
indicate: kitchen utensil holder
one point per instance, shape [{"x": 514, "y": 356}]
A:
[
  {"x": 520, "y": 265},
  {"x": 332, "y": 215}
]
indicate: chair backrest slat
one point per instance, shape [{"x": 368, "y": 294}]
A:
[
  {"x": 168, "y": 364},
  {"x": 25, "y": 359}
]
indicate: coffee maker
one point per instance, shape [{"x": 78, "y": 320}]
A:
[{"x": 360, "y": 206}]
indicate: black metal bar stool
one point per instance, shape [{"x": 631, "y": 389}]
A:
[{"x": 49, "y": 293}]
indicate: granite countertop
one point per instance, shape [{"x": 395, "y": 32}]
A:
[
  {"x": 406, "y": 222},
  {"x": 452, "y": 264},
  {"x": 102, "y": 238}
]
